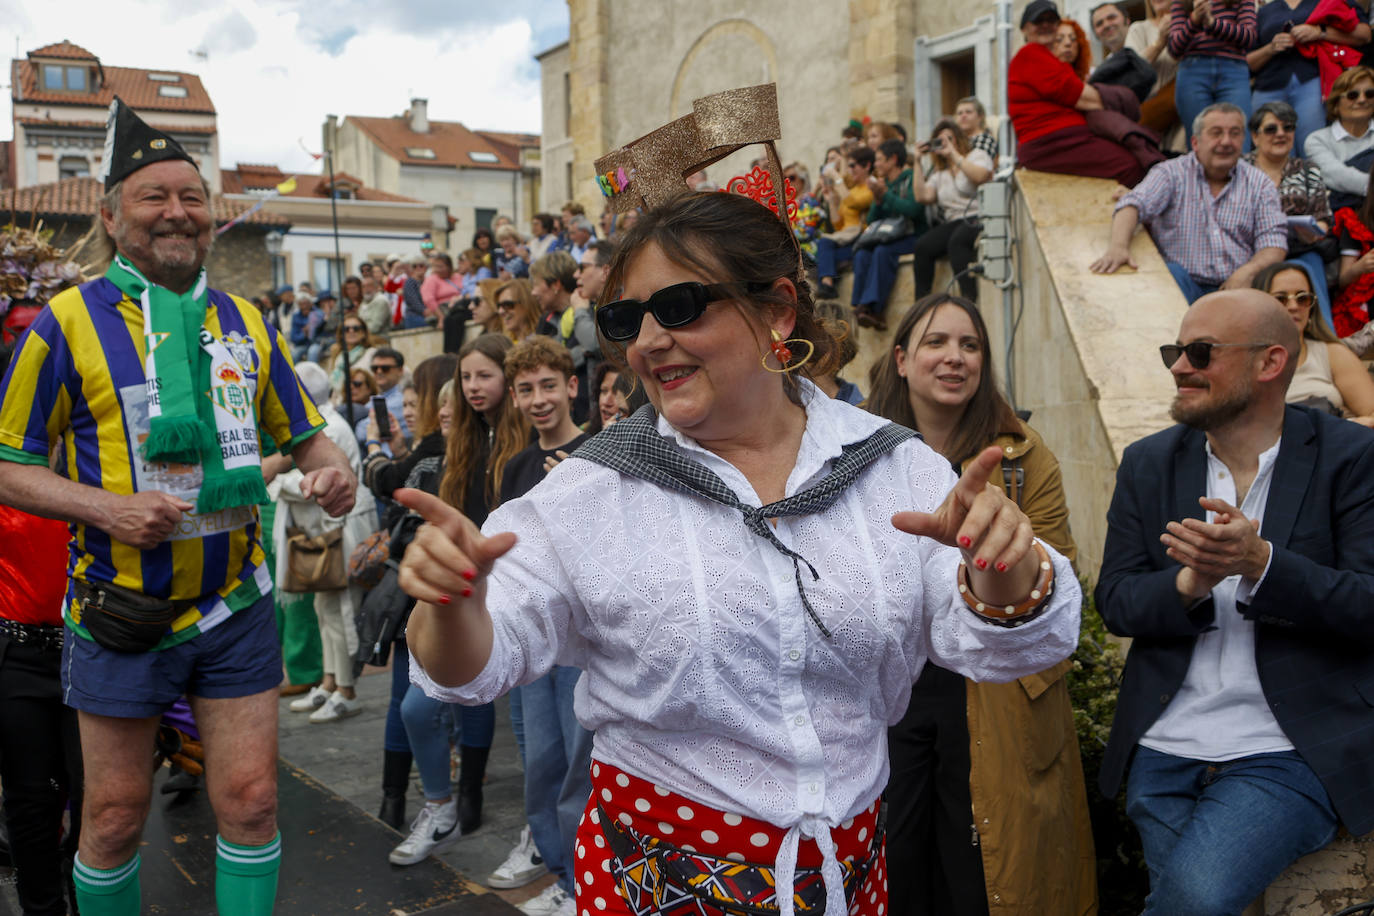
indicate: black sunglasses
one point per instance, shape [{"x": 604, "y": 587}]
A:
[
  {"x": 354, "y": 327},
  {"x": 1354, "y": 95},
  {"x": 506, "y": 304},
  {"x": 672, "y": 307},
  {"x": 383, "y": 367},
  {"x": 1271, "y": 128},
  {"x": 1199, "y": 352}
]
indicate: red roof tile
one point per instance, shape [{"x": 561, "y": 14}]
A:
[
  {"x": 130, "y": 84},
  {"x": 246, "y": 177},
  {"x": 65, "y": 50},
  {"x": 80, "y": 198},
  {"x": 100, "y": 126},
  {"x": 451, "y": 142}
]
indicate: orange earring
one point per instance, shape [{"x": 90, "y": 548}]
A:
[{"x": 782, "y": 352}]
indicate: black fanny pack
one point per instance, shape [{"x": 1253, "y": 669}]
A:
[{"x": 123, "y": 620}]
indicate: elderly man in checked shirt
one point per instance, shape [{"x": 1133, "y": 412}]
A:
[{"x": 1216, "y": 220}]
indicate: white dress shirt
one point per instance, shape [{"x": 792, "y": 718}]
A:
[
  {"x": 702, "y": 671},
  {"x": 1220, "y": 712}
]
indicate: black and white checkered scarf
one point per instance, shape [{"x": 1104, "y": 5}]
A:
[{"x": 634, "y": 446}]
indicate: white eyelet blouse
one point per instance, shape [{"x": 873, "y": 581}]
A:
[{"x": 702, "y": 671}]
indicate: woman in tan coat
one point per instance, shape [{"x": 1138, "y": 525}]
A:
[{"x": 987, "y": 806}]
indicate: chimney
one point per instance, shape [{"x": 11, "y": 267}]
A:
[
  {"x": 419, "y": 115},
  {"x": 330, "y": 134}
]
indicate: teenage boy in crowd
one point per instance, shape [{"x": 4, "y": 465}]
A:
[{"x": 557, "y": 749}]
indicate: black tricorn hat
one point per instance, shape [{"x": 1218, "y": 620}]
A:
[{"x": 130, "y": 144}]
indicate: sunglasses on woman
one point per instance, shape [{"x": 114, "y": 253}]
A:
[
  {"x": 1199, "y": 352},
  {"x": 1354, "y": 95},
  {"x": 348, "y": 328},
  {"x": 1299, "y": 298},
  {"x": 673, "y": 306},
  {"x": 1270, "y": 129}
]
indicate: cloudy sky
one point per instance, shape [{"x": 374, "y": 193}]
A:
[{"x": 275, "y": 68}]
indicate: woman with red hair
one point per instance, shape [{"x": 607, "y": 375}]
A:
[{"x": 1071, "y": 46}]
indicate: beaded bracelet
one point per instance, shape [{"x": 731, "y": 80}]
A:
[{"x": 1013, "y": 615}]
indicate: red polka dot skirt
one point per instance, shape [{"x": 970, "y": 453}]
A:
[{"x": 672, "y": 856}]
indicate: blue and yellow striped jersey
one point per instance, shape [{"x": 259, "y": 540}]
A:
[{"x": 77, "y": 382}]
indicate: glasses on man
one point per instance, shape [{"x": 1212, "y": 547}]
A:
[
  {"x": 1354, "y": 95},
  {"x": 672, "y": 307},
  {"x": 1199, "y": 352},
  {"x": 1273, "y": 128},
  {"x": 383, "y": 367},
  {"x": 1303, "y": 298}
]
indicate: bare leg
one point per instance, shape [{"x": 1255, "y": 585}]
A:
[
  {"x": 119, "y": 786},
  {"x": 240, "y": 738}
]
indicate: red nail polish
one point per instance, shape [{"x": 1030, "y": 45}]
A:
[
  {"x": 965, "y": 540},
  {"x": 1001, "y": 567},
  {"x": 466, "y": 592},
  {"x": 469, "y": 574},
  {"x": 444, "y": 599},
  {"x": 981, "y": 563}
]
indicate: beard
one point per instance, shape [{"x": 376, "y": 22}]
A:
[
  {"x": 1219, "y": 410},
  {"x": 165, "y": 261}
]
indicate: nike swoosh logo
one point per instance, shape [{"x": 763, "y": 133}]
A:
[{"x": 440, "y": 834}]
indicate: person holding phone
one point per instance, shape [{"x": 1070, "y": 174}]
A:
[{"x": 952, "y": 188}]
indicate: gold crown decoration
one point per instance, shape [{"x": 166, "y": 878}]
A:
[{"x": 653, "y": 169}]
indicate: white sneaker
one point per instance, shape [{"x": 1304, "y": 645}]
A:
[
  {"x": 552, "y": 901},
  {"x": 435, "y": 829},
  {"x": 337, "y": 707},
  {"x": 310, "y": 702},
  {"x": 522, "y": 866}
]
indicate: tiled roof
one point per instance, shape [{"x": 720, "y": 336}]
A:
[
  {"x": 508, "y": 143},
  {"x": 80, "y": 198},
  {"x": 64, "y": 49},
  {"x": 130, "y": 84},
  {"x": 246, "y": 177},
  {"x": 100, "y": 126},
  {"x": 451, "y": 142}
]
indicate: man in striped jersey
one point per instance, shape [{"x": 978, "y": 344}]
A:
[{"x": 133, "y": 410}]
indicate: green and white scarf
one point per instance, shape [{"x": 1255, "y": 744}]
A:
[{"x": 219, "y": 431}]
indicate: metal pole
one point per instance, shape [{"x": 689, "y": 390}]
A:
[
  {"x": 1003, "y": 13},
  {"x": 338, "y": 288}
]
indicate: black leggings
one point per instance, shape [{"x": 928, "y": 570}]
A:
[
  {"x": 957, "y": 239},
  {"x": 934, "y": 865},
  {"x": 40, "y": 765}
]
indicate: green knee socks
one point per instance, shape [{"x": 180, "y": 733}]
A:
[
  {"x": 245, "y": 877},
  {"x": 107, "y": 892}
]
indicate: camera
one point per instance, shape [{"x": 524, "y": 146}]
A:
[{"x": 937, "y": 144}]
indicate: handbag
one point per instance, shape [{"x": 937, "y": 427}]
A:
[
  {"x": 381, "y": 619},
  {"x": 367, "y": 563},
  {"x": 314, "y": 563},
  {"x": 881, "y": 232}
]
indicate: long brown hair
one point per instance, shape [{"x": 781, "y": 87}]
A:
[
  {"x": 1316, "y": 327},
  {"x": 467, "y": 439},
  {"x": 731, "y": 239},
  {"x": 428, "y": 378},
  {"x": 986, "y": 415},
  {"x": 961, "y": 141}
]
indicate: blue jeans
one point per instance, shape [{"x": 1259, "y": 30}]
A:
[
  {"x": 428, "y": 726},
  {"x": 1216, "y": 834},
  {"x": 1306, "y": 99},
  {"x": 875, "y": 271},
  {"x": 1192, "y": 289},
  {"x": 829, "y": 256},
  {"x": 517, "y": 721},
  {"x": 412, "y": 320},
  {"x": 550, "y": 749},
  {"x": 1203, "y": 80},
  {"x": 394, "y": 737}
]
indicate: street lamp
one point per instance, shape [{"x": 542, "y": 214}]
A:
[{"x": 273, "y": 241}]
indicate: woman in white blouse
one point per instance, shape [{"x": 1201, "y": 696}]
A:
[{"x": 750, "y": 574}]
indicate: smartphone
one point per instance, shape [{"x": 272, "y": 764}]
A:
[{"x": 383, "y": 418}]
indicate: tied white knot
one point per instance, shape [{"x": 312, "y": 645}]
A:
[{"x": 785, "y": 869}]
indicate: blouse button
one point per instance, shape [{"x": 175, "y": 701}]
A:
[
  {"x": 813, "y": 788},
  {"x": 794, "y": 655},
  {"x": 799, "y": 720}
]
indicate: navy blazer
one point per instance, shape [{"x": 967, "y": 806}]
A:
[{"x": 1313, "y": 614}]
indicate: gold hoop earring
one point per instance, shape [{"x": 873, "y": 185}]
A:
[{"x": 781, "y": 350}]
